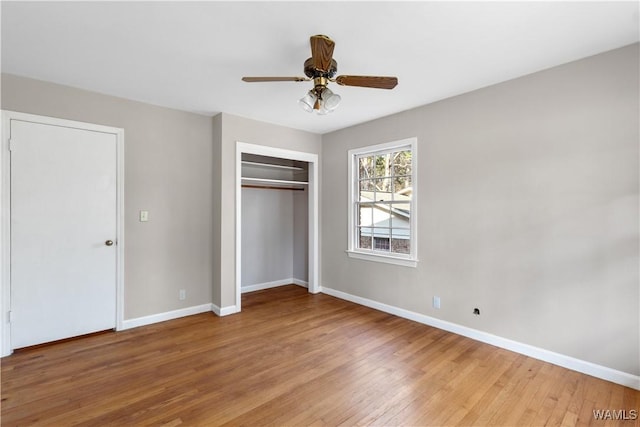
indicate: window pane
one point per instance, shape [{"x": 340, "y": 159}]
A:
[
  {"x": 400, "y": 215},
  {"x": 367, "y": 188},
  {"x": 367, "y": 185},
  {"x": 381, "y": 215},
  {"x": 364, "y": 238},
  {"x": 402, "y": 163},
  {"x": 402, "y": 188},
  {"x": 365, "y": 215},
  {"x": 383, "y": 189},
  {"x": 400, "y": 241},
  {"x": 383, "y": 165},
  {"x": 381, "y": 243},
  {"x": 381, "y": 239},
  {"x": 366, "y": 167}
]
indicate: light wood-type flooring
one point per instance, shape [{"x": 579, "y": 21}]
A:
[{"x": 294, "y": 359}]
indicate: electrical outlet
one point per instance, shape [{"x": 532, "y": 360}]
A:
[
  {"x": 182, "y": 294},
  {"x": 436, "y": 302}
]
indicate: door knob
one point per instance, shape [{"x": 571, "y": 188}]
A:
[{"x": 109, "y": 243}]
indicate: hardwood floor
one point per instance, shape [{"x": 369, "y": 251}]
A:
[{"x": 291, "y": 358}]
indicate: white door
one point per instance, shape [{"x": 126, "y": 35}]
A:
[{"x": 63, "y": 232}]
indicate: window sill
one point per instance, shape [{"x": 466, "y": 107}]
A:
[{"x": 406, "y": 262}]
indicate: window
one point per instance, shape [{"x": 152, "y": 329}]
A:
[{"x": 382, "y": 208}]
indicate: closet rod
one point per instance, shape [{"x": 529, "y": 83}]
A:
[{"x": 271, "y": 187}]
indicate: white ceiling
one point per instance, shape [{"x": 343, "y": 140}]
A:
[{"x": 191, "y": 55}]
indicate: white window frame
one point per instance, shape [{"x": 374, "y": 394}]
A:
[{"x": 353, "y": 251}]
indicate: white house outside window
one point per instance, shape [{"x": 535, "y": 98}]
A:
[{"x": 382, "y": 209}]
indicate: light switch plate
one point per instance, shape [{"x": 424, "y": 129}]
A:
[
  {"x": 144, "y": 216},
  {"x": 436, "y": 302}
]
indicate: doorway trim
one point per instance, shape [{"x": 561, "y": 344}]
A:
[
  {"x": 312, "y": 159},
  {"x": 5, "y": 214}
]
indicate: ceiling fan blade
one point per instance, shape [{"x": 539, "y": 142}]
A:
[
  {"x": 322, "y": 52},
  {"x": 274, "y": 79},
  {"x": 368, "y": 81}
]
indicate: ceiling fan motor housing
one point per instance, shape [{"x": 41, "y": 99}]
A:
[{"x": 312, "y": 72}]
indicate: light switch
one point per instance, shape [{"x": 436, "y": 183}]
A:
[{"x": 144, "y": 216}]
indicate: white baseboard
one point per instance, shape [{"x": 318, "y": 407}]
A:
[
  {"x": 161, "y": 317},
  {"x": 274, "y": 284},
  {"x": 299, "y": 282},
  {"x": 224, "y": 311},
  {"x": 265, "y": 285},
  {"x": 598, "y": 371}
]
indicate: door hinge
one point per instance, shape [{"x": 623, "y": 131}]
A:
[
  {"x": 12, "y": 144},
  {"x": 11, "y": 316}
]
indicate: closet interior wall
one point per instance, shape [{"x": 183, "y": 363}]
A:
[{"x": 274, "y": 222}]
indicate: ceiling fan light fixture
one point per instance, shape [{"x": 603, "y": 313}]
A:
[
  {"x": 308, "y": 102},
  {"x": 321, "y": 100},
  {"x": 330, "y": 100}
]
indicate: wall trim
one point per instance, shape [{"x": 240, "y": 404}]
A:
[
  {"x": 266, "y": 285},
  {"x": 582, "y": 366},
  {"x": 274, "y": 284},
  {"x": 162, "y": 317}
]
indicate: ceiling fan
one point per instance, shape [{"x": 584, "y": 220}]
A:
[{"x": 321, "y": 68}]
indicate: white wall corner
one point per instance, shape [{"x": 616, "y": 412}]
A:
[
  {"x": 582, "y": 366},
  {"x": 162, "y": 317},
  {"x": 224, "y": 311}
]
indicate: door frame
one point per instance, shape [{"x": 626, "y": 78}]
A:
[
  {"x": 312, "y": 209},
  {"x": 5, "y": 214}
]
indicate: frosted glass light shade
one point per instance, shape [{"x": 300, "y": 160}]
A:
[
  {"x": 308, "y": 101},
  {"x": 331, "y": 100},
  {"x": 321, "y": 100}
]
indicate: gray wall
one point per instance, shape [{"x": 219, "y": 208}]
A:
[
  {"x": 216, "y": 218},
  {"x": 235, "y": 129},
  {"x": 267, "y": 235},
  {"x": 168, "y": 171},
  {"x": 274, "y": 235},
  {"x": 528, "y": 209},
  {"x": 301, "y": 235}
]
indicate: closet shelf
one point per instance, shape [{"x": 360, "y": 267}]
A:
[
  {"x": 270, "y": 165},
  {"x": 273, "y": 182}
]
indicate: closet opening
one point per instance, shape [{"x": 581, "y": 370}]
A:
[{"x": 276, "y": 219}]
